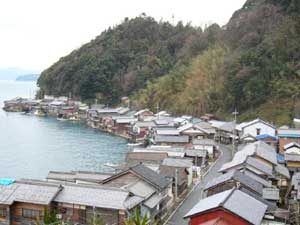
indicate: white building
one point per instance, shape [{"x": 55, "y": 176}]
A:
[{"x": 256, "y": 127}]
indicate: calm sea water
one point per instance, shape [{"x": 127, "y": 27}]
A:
[{"x": 31, "y": 146}]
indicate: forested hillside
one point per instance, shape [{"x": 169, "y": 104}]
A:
[{"x": 252, "y": 64}]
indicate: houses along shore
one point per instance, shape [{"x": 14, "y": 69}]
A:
[{"x": 259, "y": 186}]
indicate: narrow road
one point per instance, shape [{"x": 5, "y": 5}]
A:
[{"x": 195, "y": 196}]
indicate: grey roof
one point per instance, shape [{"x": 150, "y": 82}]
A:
[
  {"x": 271, "y": 193},
  {"x": 196, "y": 152},
  {"x": 259, "y": 149},
  {"x": 151, "y": 176},
  {"x": 145, "y": 124},
  {"x": 282, "y": 170},
  {"x": 239, "y": 177},
  {"x": 257, "y": 164},
  {"x": 27, "y": 191},
  {"x": 227, "y": 126},
  {"x": 289, "y": 131},
  {"x": 292, "y": 157},
  {"x": 147, "y": 156},
  {"x": 251, "y": 210},
  {"x": 171, "y": 139},
  {"x": 259, "y": 179},
  {"x": 97, "y": 196},
  {"x": 271, "y": 205},
  {"x": 141, "y": 189},
  {"x": 174, "y": 162},
  {"x": 132, "y": 202},
  {"x": 75, "y": 176},
  {"x": 153, "y": 201},
  {"x": 204, "y": 142},
  {"x": 172, "y": 132},
  {"x": 247, "y": 162},
  {"x": 61, "y": 176}
]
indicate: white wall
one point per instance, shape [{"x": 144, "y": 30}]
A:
[{"x": 264, "y": 129}]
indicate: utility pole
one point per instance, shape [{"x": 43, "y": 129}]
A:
[
  {"x": 176, "y": 184},
  {"x": 234, "y": 146}
]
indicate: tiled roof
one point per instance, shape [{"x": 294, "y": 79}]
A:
[
  {"x": 171, "y": 139},
  {"x": 97, "y": 196},
  {"x": 251, "y": 210},
  {"x": 151, "y": 176},
  {"x": 29, "y": 192},
  {"x": 239, "y": 177},
  {"x": 174, "y": 162}
]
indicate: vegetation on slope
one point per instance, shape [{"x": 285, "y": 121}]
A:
[{"x": 252, "y": 64}]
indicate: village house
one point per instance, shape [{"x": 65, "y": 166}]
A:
[
  {"x": 206, "y": 144},
  {"x": 228, "y": 208},
  {"x": 247, "y": 139},
  {"x": 140, "y": 129},
  {"x": 292, "y": 148},
  {"x": 24, "y": 202},
  {"x": 287, "y": 136},
  {"x": 180, "y": 171},
  {"x": 154, "y": 189},
  {"x": 256, "y": 127},
  {"x": 80, "y": 204},
  {"x": 224, "y": 131},
  {"x": 199, "y": 157},
  {"x": 232, "y": 179},
  {"x": 292, "y": 162}
]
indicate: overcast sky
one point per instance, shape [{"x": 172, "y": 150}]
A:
[{"x": 36, "y": 33}]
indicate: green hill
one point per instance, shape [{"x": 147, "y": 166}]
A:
[{"x": 252, "y": 64}]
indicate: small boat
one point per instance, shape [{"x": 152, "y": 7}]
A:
[
  {"x": 135, "y": 144},
  {"x": 61, "y": 119},
  {"x": 39, "y": 113},
  {"x": 74, "y": 118}
]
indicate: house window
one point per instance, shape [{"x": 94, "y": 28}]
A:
[
  {"x": 257, "y": 131},
  {"x": 2, "y": 212},
  {"x": 32, "y": 213}
]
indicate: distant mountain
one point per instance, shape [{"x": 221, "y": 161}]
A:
[
  {"x": 14, "y": 72},
  {"x": 28, "y": 77}
]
